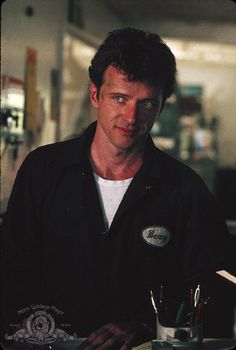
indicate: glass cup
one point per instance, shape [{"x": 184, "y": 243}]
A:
[{"x": 180, "y": 334}]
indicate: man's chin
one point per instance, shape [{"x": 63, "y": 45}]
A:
[{"x": 132, "y": 144}]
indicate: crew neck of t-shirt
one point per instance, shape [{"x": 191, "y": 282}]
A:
[
  {"x": 112, "y": 183},
  {"x": 110, "y": 193}
]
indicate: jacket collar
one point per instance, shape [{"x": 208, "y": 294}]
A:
[
  {"x": 155, "y": 160},
  {"x": 74, "y": 151}
]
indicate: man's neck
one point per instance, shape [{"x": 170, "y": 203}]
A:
[{"x": 116, "y": 165}]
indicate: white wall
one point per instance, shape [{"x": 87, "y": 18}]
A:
[
  {"x": 216, "y": 32},
  {"x": 42, "y": 31}
]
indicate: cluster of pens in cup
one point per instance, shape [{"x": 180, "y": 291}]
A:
[{"x": 179, "y": 322}]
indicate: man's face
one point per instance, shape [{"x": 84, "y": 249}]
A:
[{"x": 126, "y": 109}]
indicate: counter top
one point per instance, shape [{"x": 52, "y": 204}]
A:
[{"x": 208, "y": 344}]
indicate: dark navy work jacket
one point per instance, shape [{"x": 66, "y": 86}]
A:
[{"x": 167, "y": 230}]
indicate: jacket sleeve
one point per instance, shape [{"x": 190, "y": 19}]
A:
[
  {"x": 20, "y": 248},
  {"x": 208, "y": 244}
]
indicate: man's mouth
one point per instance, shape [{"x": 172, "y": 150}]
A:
[{"x": 127, "y": 131}]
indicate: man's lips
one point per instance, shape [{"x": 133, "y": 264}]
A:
[{"x": 125, "y": 130}]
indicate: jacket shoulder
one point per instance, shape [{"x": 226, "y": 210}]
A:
[
  {"x": 64, "y": 153},
  {"x": 176, "y": 173},
  {"x": 55, "y": 154}
]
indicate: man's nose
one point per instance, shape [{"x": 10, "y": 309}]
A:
[{"x": 131, "y": 113}]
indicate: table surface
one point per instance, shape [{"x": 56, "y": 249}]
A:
[{"x": 208, "y": 344}]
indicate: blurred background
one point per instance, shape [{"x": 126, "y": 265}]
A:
[{"x": 47, "y": 46}]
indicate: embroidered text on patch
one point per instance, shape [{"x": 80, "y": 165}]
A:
[{"x": 157, "y": 236}]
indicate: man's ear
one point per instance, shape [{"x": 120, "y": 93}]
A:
[{"x": 93, "y": 93}]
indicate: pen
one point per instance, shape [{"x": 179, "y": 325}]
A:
[
  {"x": 153, "y": 302},
  {"x": 197, "y": 295}
]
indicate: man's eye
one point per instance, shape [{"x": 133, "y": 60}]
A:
[
  {"x": 119, "y": 98},
  {"x": 149, "y": 104}
]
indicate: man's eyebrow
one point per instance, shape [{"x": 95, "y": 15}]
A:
[
  {"x": 151, "y": 99},
  {"x": 118, "y": 93}
]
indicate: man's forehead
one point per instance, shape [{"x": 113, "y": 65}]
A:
[
  {"x": 116, "y": 72},
  {"x": 113, "y": 75}
]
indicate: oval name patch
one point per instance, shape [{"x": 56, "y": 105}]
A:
[{"x": 157, "y": 236}]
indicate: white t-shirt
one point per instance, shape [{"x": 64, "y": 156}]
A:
[{"x": 111, "y": 193}]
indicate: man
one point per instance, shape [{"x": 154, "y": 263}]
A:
[{"x": 95, "y": 223}]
